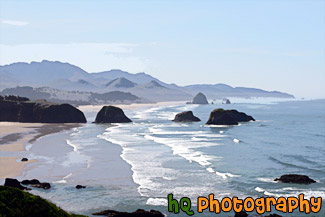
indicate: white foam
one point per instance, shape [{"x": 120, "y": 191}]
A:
[
  {"x": 226, "y": 175},
  {"x": 157, "y": 202},
  {"x": 210, "y": 170},
  {"x": 236, "y": 140},
  {"x": 75, "y": 148},
  {"x": 269, "y": 180},
  {"x": 199, "y": 139},
  {"x": 258, "y": 189}
]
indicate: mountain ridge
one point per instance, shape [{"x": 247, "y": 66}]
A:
[{"x": 66, "y": 76}]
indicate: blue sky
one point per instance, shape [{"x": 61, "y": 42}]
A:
[{"x": 273, "y": 45}]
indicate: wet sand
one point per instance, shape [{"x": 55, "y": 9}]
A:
[{"x": 14, "y": 137}]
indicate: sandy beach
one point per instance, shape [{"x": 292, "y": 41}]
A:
[
  {"x": 92, "y": 108},
  {"x": 14, "y": 137}
]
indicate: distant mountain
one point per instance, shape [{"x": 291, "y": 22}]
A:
[
  {"x": 120, "y": 83},
  {"x": 139, "y": 78},
  {"x": 218, "y": 91},
  {"x": 67, "y": 77},
  {"x": 151, "y": 85},
  {"x": 72, "y": 97}
]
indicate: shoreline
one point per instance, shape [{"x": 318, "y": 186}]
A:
[{"x": 14, "y": 137}]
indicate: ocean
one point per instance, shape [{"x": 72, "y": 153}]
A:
[{"x": 136, "y": 165}]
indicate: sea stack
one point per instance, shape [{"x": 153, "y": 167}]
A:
[
  {"x": 186, "y": 116},
  {"x": 295, "y": 178},
  {"x": 200, "y": 98},
  {"x": 111, "y": 114},
  {"x": 228, "y": 117},
  {"x": 21, "y": 109}
]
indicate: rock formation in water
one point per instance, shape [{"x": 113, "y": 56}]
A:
[
  {"x": 228, "y": 117},
  {"x": 111, "y": 114},
  {"x": 294, "y": 178},
  {"x": 226, "y": 101},
  {"x": 186, "y": 116},
  {"x": 13, "y": 183},
  {"x": 200, "y": 98},
  {"x": 138, "y": 213},
  {"x": 20, "y": 109}
]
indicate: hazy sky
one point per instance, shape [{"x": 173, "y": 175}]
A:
[{"x": 273, "y": 45}]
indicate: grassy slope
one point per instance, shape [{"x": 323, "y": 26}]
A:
[{"x": 14, "y": 202}]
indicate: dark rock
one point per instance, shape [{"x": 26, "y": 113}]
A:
[
  {"x": 273, "y": 215},
  {"x": 13, "y": 183},
  {"x": 80, "y": 186},
  {"x": 200, "y": 98},
  {"x": 39, "y": 112},
  {"x": 294, "y": 178},
  {"x": 228, "y": 117},
  {"x": 241, "y": 214},
  {"x": 226, "y": 101},
  {"x": 111, "y": 114},
  {"x": 24, "y": 159},
  {"x": 30, "y": 182},
  {"x": 186, "y": 117},
  {"x": 138, "y": 213},
  {"x": 44, "y": 185}
]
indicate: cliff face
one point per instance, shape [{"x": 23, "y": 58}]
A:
[{"x": 14, "y": 110}]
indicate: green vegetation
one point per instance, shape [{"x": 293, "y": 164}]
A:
[{"x": 14, "y": 202}]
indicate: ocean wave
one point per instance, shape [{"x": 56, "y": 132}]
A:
[
  {"x": 226, "y": 175},
  {"x": 268, "y": 180},
  {"x": 157, "y": 202}
]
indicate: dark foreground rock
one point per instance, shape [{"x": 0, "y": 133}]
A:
[
  {"x": 294, "y": 178},
  {"x": 13, "y": 183},
  {"x": 30, "y": 182},
  {"x": 37, "y": 184},
  {"x": 244, "y": 214},
  {"x": 111, "y": 114},
  {"x": 241, "y": 214},
  {"x": 200, "y": 98},
  {"x": 13, "y": 109},
  {"x": 24, "y": 159},
  {"x": 14, "y": 202},
  {"x": 80, "y": 186},
  {"x": 138, "y": 213},
  {"x": 228, "y": 117},
  {"x": 186, "y": 117}
]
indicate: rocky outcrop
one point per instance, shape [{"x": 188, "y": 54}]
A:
[
  {"x": 14, "y": 110},
  {"x": 30, "y": 182},
  {"x": 186, "y": 116},
  {"x": 80, "y": 186},
  {"x": 241, "y": 214},
  {"x": 13, "y": 183},
  {"x": 37, "y": 184},
  {"x": 200, "y": 98},
  {"x": 111, "y": 114},
  {"x": 226, "y": 101},
  {"x": 138, "y": 213},
  {"x": 294, "y": 178},
  {"x": 24, "y": 159},
  {"x": 228, "y": 117}
]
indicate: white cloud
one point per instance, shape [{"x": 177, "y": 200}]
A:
[{"x": 15, "y": 22}]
